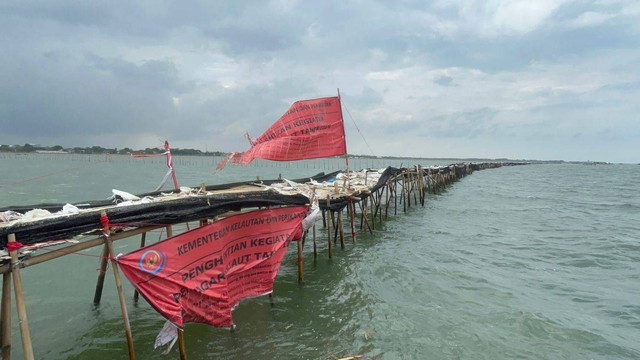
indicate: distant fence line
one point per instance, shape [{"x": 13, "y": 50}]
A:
[{"x": 355, "y": 163}]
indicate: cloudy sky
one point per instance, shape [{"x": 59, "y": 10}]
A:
[{"x": 543, "y": 79}]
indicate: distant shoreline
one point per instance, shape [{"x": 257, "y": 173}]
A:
[{"x": 351, "y": 156}]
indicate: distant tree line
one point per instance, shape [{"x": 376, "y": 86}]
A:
[{"x": 28, "y": 148}]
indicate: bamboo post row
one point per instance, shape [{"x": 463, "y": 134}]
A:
[{"x": 416, "y": 181}]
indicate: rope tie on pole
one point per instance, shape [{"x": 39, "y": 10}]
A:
[
  {"x": 104, "y": 221},
  {"x": 14, "y": 246}
]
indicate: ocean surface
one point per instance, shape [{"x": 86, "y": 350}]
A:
[{"x": 526, "y": 262}]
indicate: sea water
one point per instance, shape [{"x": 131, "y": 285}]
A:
[{"x": 526, "y": 262}]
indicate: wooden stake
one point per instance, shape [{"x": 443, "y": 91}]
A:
[
  {"x": 352, "y": 215},
  {"x": 377, "y": 201},
  {"x": 336, "y": 228},
  {"x": 143, "y": 239},
  {"x": 104, "y": 259},
  {"x": 366, "y": 221},
  {"x": 341, "y": 224},
  {"x": 404, "y": 191},
  {"x": 395, "y": 197},
  {"x": 324, "y": 219},
  {"x": 379, "y": 195},
  {"x": 181, "y": 346},
  {"x": 27, "y": 348},
  {"x": 315, "y": 250},
  {"x": 362, "y": 212},
  {"x": 388, "y": 200},
  {"x": 300, "y": 259},
  {"x": 414, "y": 186},
  {"x": 329, "y": 227},
  {"x": 5, "y": 312},
  {"x": 373, "y": 217}
]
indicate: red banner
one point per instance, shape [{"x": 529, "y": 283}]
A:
[
  {"x": 309, "y": 129},
  {"x": 199, "y": 276}
]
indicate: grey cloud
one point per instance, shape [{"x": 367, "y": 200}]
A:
[
  {"x": 466, "y": 124},
  {"x": 98, "y": 96},
  {"x": 363, "y": 100},
  {"x": 76, "y": 13},
  {"x": 77, "y": 69},
  {"x": 444, "y": 81},
  {"x": 253, "y": 39}
]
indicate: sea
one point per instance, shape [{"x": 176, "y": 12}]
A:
[{"x": 525, "y": 262}]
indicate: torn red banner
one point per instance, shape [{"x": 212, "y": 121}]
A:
[
  {"x": 199, "y": 276},
  {"x": 309, "y": 129},
  {"x": 224, "y": 162}
]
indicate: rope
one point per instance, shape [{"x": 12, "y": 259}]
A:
[
  {"x": 147, "y": 155},
  {"x": 357, "y": 128},
  {"x": 104, "y": 221},
  {"x": 14, "y": 246}
]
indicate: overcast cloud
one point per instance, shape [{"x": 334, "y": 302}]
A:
[{"x": 536, "y": 79}]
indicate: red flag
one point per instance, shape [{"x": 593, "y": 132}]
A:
[
  {"x": 309, "y": 129},
  {"x": 199, "y": 276}
]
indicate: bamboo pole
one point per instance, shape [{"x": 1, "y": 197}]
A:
[
  {"x": 371, "y": 207},
  {"x": 123, "y": 305},
  {"x": 404, "y": 192},
  {"x": 414, "y": 187},
  {"x": 366, "y": 220},
  {"x": 336, "y": 229},
  {"x": 143, "y": 239},
  {"x": 421, "y": 185},
  {"x": 377, "y": 201},
  {"x": 104, "y": 258},
  {"x": 315, "y": 249},
  {"x": 352, "y": 215},
  {"x": 27, "y": 347},
  {"x": 395, "y": 196},
  {"x": 6, "y": 316},
  {"x": 379, "y": 205},
  {"x": 324, "y": 219},
  {"x": 341, "y": 225},
  {"x": 388, "y": 200},
  {"x": 329, "y": 227},
  {"x": 181, "y": 345},
  {"x": 300, "y": 259},
  {"x": 363, "y": 205}
]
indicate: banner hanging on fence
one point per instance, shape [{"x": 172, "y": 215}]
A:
[
  {"x": 309, "y": 129},
  {"x": 199, "y": 276}
]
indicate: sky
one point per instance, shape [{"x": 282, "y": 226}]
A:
[{"x": 494, "y": 79}]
